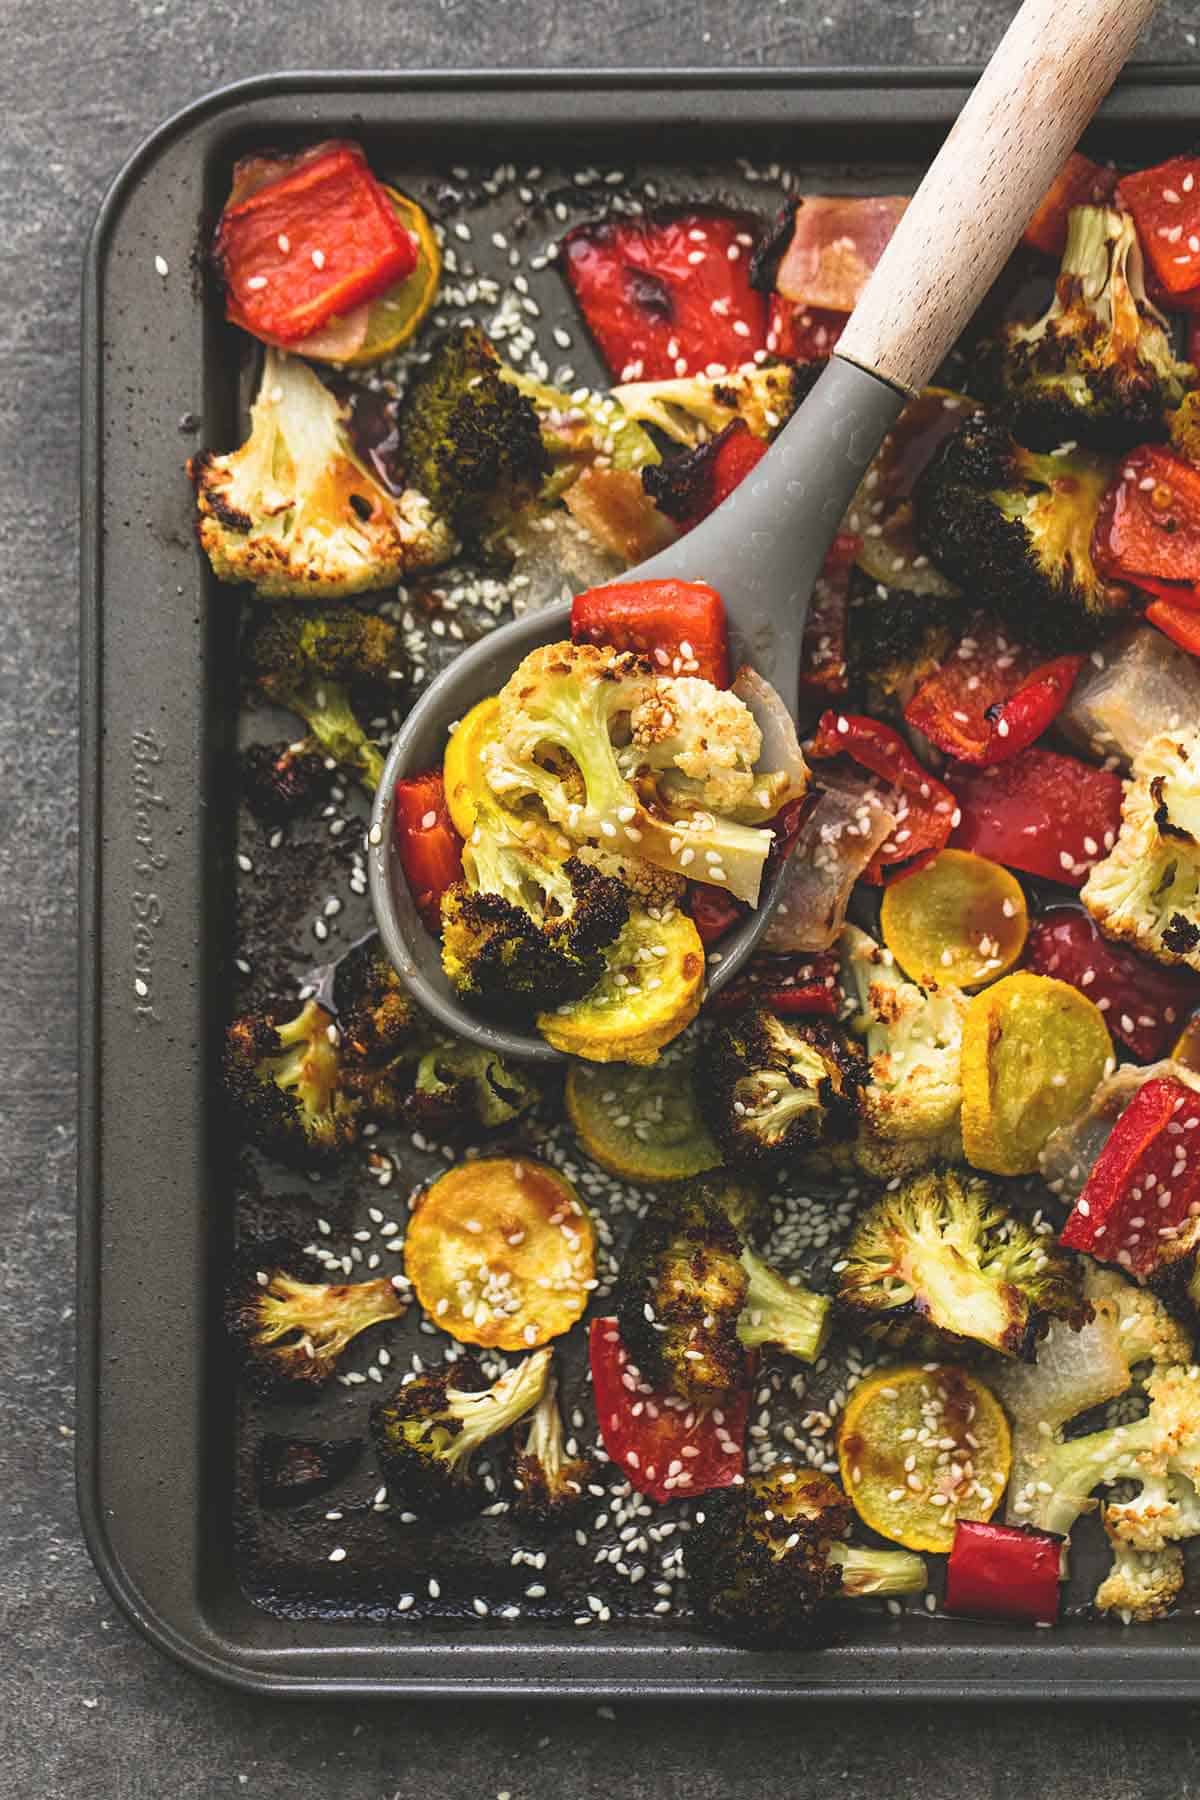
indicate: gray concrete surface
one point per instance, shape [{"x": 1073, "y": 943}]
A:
[{"x": 86, "y": 1708}]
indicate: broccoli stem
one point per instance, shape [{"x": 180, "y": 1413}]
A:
[
  {"x": 791, "y": 1318},
  {"x": 326, "y": 710},
  {"x": 866, "y": 1572}
]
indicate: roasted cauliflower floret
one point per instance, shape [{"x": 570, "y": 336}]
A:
[
  {"x": 913, "y": 1039},
  {"x": 702, "y": 741},
  {"x": 1142, "y": 1583},
  {"x": 294, "y": 512},
  {"x": 1147, "y": 889}
]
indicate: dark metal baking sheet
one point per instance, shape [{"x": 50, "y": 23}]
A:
[{"x": 156, "y": 1443}]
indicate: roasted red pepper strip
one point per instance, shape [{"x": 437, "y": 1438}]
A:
[
  {"x": 925, "y": 809},
  {"x": 713, "y": 913},
  {"x": 991, "y": 699},
  {"x": 1004, "y": 1572},
  {"x": 1143, "y": 1183},
  {"x": 1148, "y": 526},
  {"x": 319, "y": 239},
  {"x": 430, "y": 849},
  {"x": 1080, "y": 182},
  {"x": 668, "y": 296},
  {"x": 1144, "y": 1006},
  {"x": 802, "y": 333},
  {"x": 1179, "y": 622},
  {"x": 795, "y": 985},
  {"x": 823, "y": 648},
  {"x": 1047, "y": 814},
  {"x": 1165, "y": 203},
  {"x": 667, "y": 1449},
  {"x": 679, "y": 625}
]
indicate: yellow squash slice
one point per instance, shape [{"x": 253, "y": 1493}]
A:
[
  {"x": 650, "y": 992},
  {"x": 643, "y": 1125},
  {"x": 960, "y": 921},
  {"x": 501, "y": 1252}
]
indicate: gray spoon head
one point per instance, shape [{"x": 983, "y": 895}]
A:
[{"x": 762, "y": 551}]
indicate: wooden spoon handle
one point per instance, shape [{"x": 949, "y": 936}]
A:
[{"x": 1049, "y": 73}]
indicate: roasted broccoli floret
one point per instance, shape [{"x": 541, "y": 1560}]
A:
[
  {"x": 285, "y": 1078},
  {"x": 767, "y": 1562},
  {"x": 581, "y": 426},
  {"x": 692, "y": 1298},
  {"x": 320, "y": 664},
  {"x": 427, "y": 1434},
  {"x": 469, "y": 439},
  {"x": 522, "y": 930},
  {"x": 459, "y": 1089},
  {"x": 775, "y": 1088},
  {"x": 913, "y": 1041},
  {"x": 281, "y": 780},
  {"x": 895, "y": 640},
  {"x": 941, "y": 1267},
  {"x": 295, "y": 512},
  {"x": 376, "y": 1015},
  {"x": 292, "y": 1332},
  {"x": 693, "y": 408},
  {"x": 1097, "y": 368},
  {"x": 563, "y": 705},
  {"x": 1147, "y": 889},
  {"x": 1014, "y": 529},
  {"x": 551, "y": 1482}
]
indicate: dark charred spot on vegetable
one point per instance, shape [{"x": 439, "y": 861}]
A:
[
  {"x": 1162, "y": 818},
  {"x": 1181, "y": 935},
  {"x": 362, "y": 507},
  {"x": 293, "y": 1470},
  {"x": 232, "y": 517},
  {"x": 768, "y": 252},
  {"x": 281, "y": 780},
  {"x": 650, "y": 294},
  {"x": 679, "y": 486}
]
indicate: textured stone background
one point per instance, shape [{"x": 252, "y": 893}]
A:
[{"x": 86, "y": 1708}]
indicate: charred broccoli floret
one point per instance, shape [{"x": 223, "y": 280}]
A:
[
  {"x": 295, "y": 512},
  {"x": 291, "y": 1332},
  {"x": 550, "y": 1482},
  {"x": 376, "y": 1015},
  {"x": 767, "y": 1562},
  {"x": 941, "y": 1267},
  {"x": 523, "y": 931},
  {"x": 459, "y": 1088},
  {"x": 778, "y": 1088},
  {"x": 426, "y": 1435},
  {"x": 281, "y": 780},
  {"x": 895, "y": 640},
  {"x": 1014, "y": 529},
  {"x": 692, "y": 1298},
  {"x": 692, "y": 408},
  {"x": 285, "y": 1079},
  {"x": 469, "y": 439},
  {"x": 1097, "y": 368},
  {"x": 580, "y": 426},
  {"x": 320, "y": 664}
]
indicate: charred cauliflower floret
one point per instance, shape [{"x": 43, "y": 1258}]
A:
[
  {"x": 1142, "y": 1585},
  {"x": 295, "y": 513},
  {"x": 942, "y": 1267},
  {"x": 913, "y": 1040},
  {"x": 1147, "y": 889},
  {"x": 701, "y": 741},
  {"x": 767, "y": 1561}
]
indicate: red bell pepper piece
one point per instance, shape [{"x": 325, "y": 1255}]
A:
[
  {"x": 1165, "y": 203},
  {"x": 1178, "y": 620},
  {"x": 1046, "y": 814},
  {"x": 1080, "y": 182},
  {"x": 689, "y": 487},
  {"x": 1144, "y": 1182},
  {"x": 802, "y": 333},
  {"x": 429, "y": 847},
  {"x": 991, "y": 699},
  {"x": 667, "y": 296},
  {"x": 925, "y": 810},
  {"x": 792, "y": 985},
  {"x": 1148, "y": 527},
  {"x": 713, "y": 913},
  {"x": 1004, "y": 1572},
  {"x": 320, "y": 238},
  {"x": 823, "y": 668},
  {"x": 666, "y": 1448},
  {"x": 679, "y": 625},
  {"x": 1144, "y": 1005}
]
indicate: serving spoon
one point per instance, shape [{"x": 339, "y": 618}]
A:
[{"x": 763, "y": 547}]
